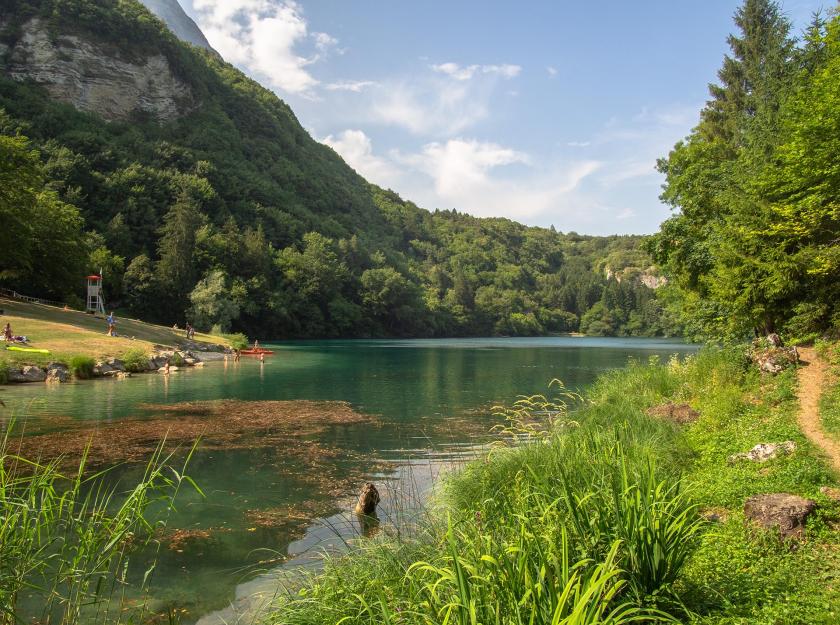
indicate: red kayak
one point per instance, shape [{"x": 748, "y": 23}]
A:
[{"x": 256, "y": 352}]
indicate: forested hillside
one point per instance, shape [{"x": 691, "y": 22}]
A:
[
  {"x": 223, "y": 211},
  {"x": 754, "y": 245}
]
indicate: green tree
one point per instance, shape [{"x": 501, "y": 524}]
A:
[
  {"x": 176, "y": 269},
  {"x": 20, "y": 179},
  {"x": 710, "y": 178},
  {"x": 141, "y": 287},
  {"x": 212, "y": 304}
]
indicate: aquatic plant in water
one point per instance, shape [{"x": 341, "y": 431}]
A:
[{"x": 65, "y": 539}]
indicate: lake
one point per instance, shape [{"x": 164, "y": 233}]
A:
[{"x": 429, "y": 403}]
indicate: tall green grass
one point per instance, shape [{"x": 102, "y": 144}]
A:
[
  {"x": 572, "y": 521},
  {"x": 66, "y": 540}
]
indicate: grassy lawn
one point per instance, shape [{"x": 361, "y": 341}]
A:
[{"x": 69, "y": 333}]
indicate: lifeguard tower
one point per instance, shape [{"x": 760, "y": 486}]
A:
[{"x": 95, "y": 301}]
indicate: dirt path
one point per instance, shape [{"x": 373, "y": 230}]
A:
[{"x": 811, "y": 379}]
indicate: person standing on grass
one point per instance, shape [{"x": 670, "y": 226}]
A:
[
  {"x": 7, "y": 333},
  {"x": 112, "y": 324}
]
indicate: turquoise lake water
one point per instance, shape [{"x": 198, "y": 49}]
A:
[{"x": 431, "y": 398}]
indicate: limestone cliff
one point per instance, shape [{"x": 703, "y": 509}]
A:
[
  {"x": 182, "y": 26},
  {"x": 649, "y": 277},
  {"x": 95, "y": 77}
]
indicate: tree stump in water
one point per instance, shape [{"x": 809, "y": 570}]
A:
[{"x": 368, "y": 500}]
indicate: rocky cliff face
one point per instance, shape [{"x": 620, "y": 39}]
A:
[
  {"x": 649, "y": 277},
  {"x": 95, "y": 79},
  {"x": 171, "y": 14}
]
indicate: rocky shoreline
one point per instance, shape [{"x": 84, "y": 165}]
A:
[{"x": 189, "y": 354}]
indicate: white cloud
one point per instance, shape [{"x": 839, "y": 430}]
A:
[
  {"x": 579, "y": 144},
  {"x": 444, "y": 103},
  {"x": 459, "y": 164},
  {"x": 478, "y": 177},
  {"x": 264, "y": 36},
  {"x": 324, "y": 42},
  {"x": 468, "y": 72},
  {"x": 552, "y": 71},
  {"x": 355, "y": 86},
  {"x": 355, "y": 147},
  {"x": 429, "y": 107}
]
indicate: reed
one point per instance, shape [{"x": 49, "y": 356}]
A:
[{"x": 67, "y": 539}]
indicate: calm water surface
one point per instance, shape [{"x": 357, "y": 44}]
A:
[{"x": 424, "y": 392}]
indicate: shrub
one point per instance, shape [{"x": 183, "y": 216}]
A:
[
  {"x": 177, "y": 360},
  {"x": 82, "y": 367},
  {"x": 237, "y": 341},
  {"x": 136, "y": 360}
]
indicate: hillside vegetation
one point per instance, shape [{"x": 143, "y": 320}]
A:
[{"x": 233, "y": 216}]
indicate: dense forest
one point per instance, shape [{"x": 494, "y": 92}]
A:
[
  {"x": 754, "y": 244},
  {"x": 233, "y": 216}
]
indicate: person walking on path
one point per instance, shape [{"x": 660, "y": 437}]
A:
[{"x": 112, "y": 324}]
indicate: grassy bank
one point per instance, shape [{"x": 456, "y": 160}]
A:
[
  {"x": 69, "y": 334},
  {"x": 603, "y": 519}
]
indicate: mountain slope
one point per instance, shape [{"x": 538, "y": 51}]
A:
[
  {"x": 178, "y": 21},
  {"x": 212, "y": 201}
]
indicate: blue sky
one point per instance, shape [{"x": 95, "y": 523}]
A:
[{"x": 544, "y": 112}]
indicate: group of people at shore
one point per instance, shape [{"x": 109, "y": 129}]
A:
[
  {"x": 188, "y": 329},
  {"x": 111, "y": 320}
]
